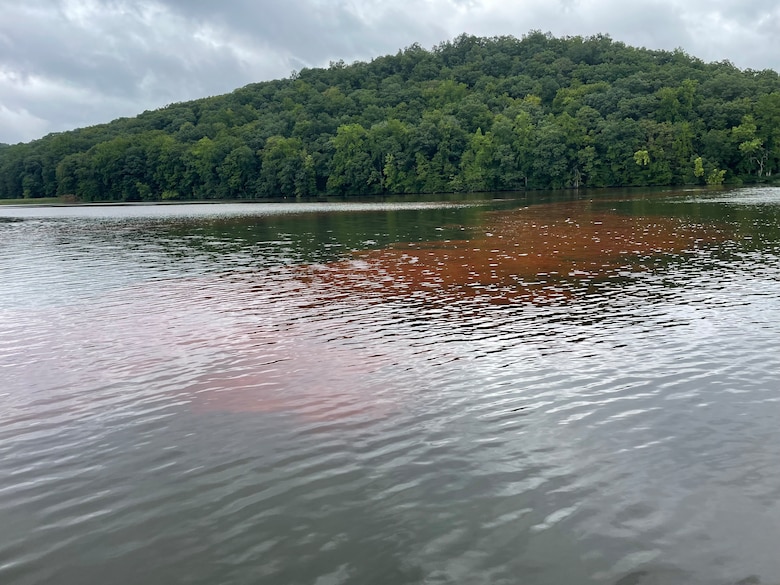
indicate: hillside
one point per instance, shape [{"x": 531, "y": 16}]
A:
[{"x": 472, "y": 114}]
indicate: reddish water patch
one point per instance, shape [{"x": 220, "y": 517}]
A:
[
  {"x": 533, "y": 254},
  {"x": 215, "y": 344},
  {"x": 312, "y": 379}
]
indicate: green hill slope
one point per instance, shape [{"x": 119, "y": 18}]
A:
[{"x": 471, "y": 114}]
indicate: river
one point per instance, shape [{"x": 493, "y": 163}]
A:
[{"x": 577, "y": 388}]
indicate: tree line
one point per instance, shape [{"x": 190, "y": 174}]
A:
[{"x": 471, "y": 114}]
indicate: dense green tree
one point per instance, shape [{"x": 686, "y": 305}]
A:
[
  {"x": 351, "y": 171},
  {"x": 287, "y": 168}
]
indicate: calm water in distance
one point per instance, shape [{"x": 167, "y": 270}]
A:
[{"x": 545, "y": 390}]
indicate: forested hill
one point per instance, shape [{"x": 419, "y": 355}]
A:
[{"x": 472, "y": 114}]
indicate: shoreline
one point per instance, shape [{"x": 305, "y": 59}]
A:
[{"x": 460, "y": 196}]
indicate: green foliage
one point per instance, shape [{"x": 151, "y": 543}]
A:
[
  {"x": 698, "y": 167},
  {"x": 716, "y": 177},
  {"x": 470, "y": 114},
  {"x": 642, "y": 158}
]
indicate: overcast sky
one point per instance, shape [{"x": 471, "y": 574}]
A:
[{"x": 71, "y": 63}]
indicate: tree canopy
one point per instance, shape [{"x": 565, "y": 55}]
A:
[{"x": 471, "y": 114}]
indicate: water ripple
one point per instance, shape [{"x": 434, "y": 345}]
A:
[{"x": 242, "y": 399}]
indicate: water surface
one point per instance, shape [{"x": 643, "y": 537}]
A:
[{"x": 544, "y": 390}]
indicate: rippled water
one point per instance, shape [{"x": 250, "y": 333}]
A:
[{"x": 581, "y": 389}]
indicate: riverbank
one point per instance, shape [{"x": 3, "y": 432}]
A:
[{"x": 38, "y": 201}]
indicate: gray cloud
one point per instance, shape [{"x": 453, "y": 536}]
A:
[{"x": 69, "y": 63}]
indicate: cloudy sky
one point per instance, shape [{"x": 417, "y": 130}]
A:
[{"x": 71, "y": 63}]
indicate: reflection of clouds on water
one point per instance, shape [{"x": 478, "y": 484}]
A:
[
  {"x": 115, "y": 212},
  {"x": 746, "y": 196}
]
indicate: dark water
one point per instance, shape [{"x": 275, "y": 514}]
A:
[{"x": 549, "y": 391}]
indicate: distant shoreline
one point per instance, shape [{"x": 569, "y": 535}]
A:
[
  {"x": 38, "y": 201},
  {"x": 459, "y": 196}
]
